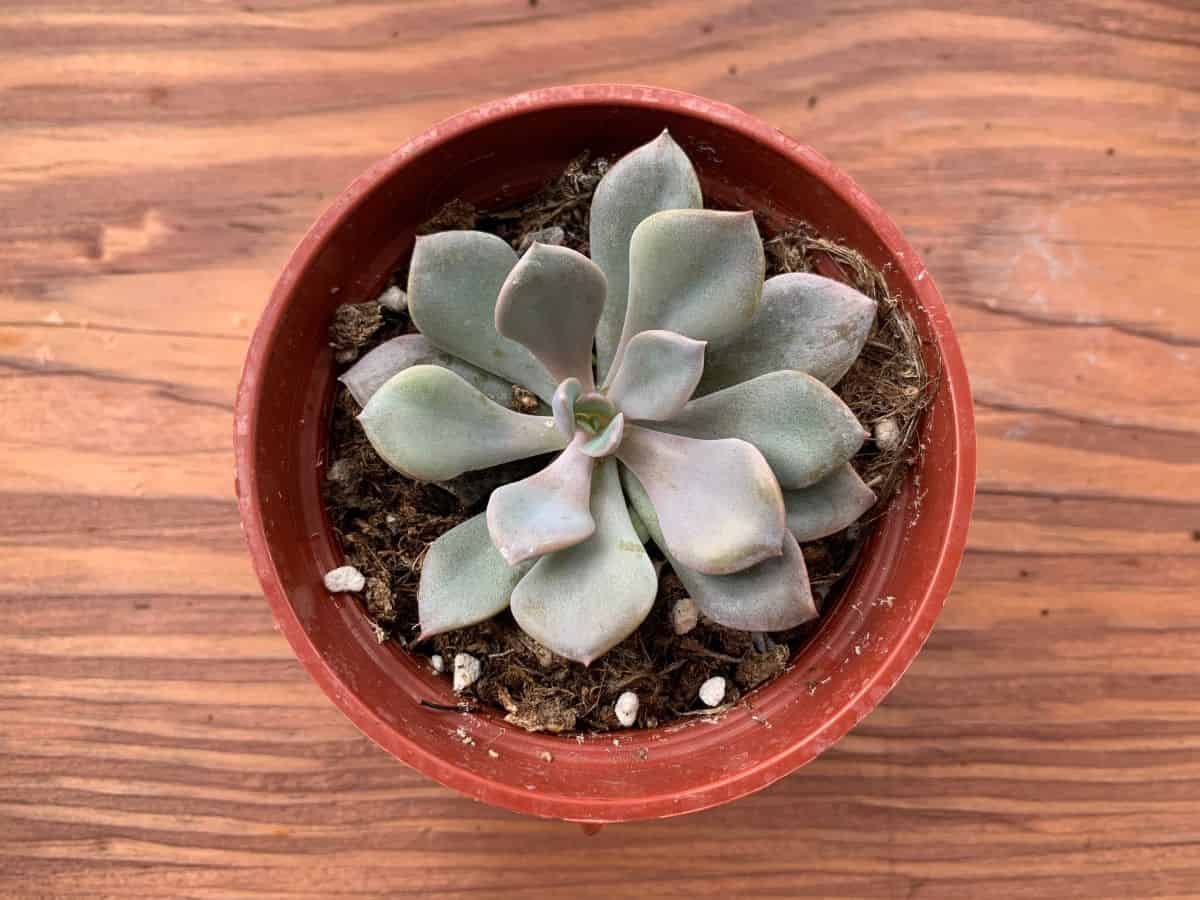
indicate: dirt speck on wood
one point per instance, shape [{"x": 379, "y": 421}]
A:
[{"x": 386, "y": 522}]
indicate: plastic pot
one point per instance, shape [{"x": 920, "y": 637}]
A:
[{"x": 493, "y": 154}]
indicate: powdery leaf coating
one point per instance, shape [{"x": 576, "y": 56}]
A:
[
  {"x": 697, "y": 272},
  {"x": 547, "y": 511},
  {"x": 650, "y": 179},
  {"x": 583, "y": 601},
  {"x": 431, "y": 425},
  {"x": 454, "y": 280},
  {"x": 550, "y": 303},
  {"x": 464, "y": 579},
  {"x": 805, "y": 322},
  {"x": 773, "y": 595},
  {"x": 828, "y": 506},
  {"x": 659, "y": 372},
  {"x": 803, "y": 428},
  {"x": 390, "y": 358},
  {"x": 718, "y": 505}
]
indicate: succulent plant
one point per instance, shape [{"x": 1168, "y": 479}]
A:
[{"x": 688, "y": 402}]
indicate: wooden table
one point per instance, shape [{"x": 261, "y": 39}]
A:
[{"x": 158, "y": 160}]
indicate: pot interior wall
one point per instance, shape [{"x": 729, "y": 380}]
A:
[{"x": 833, "y": 681}]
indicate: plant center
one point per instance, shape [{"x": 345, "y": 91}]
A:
[{"x": 593, "y": 412}]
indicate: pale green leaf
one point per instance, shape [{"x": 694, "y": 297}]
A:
[
  {"x": 720, "y": 507},
  {"x": 697, "y": 272},
  {"x": 608, "y": 440},
  {"x": 390, "y": 358},
  {"x": 805, "y": 322},
  {"x": 464, "y": 580},
  {"x": 546, "y": 511},
  {"x": 454, "y": 280},
  {"x": 802, "y": 427},
  {"x": 431, "y": 425},
  {"x": 583, "y": 601},
  {"x": 650, "y": 179},
  {"x": 658, "y": 373},
  {"x": 550, "y": 303},
  {"x": 828, "y": 506},
  {"x": 772, "y": 595}
]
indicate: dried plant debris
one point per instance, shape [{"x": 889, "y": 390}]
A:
[
  {"x": 354, "y": 324},
  {"x": 564, "y": 204},
  {"x": 385, "y": 522},
  {"x": 457, "y": 215}
]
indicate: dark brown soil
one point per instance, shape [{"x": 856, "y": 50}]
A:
[{"x": 385, "y": 522}]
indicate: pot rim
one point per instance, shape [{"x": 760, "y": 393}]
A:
[{"x": 908, "y": 643}]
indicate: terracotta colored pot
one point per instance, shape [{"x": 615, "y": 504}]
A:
[{"x": 493, "y": 154}]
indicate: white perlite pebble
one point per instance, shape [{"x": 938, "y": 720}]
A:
[
  {"x": 712, "y": 692},
  {"x": 394, "y": 299},
  {"x": 439, "y": 664},
  {"x": 887, "y": 434},
  {"x": 626, "y": 708},
  {"x": 466, "y": 671},
  {"x": 684, "y": 615},
  {"x": 345, "y": 578}
]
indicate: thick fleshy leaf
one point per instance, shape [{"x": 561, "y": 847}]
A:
[
  {"x": 659, "y": 372},
  {"x": 453, "y": 282},
  {"x": 639, "y": 526},
  {"x": 390, "y": 358},
  {"x": 805, "y": 322},
  {"x": 551, "y": 302},
  {"x": 697, "y": 272},
  {"x": 464, "y": 580},
  {"x": 431, "y": 425},
  {"x": 802, "y": 427},
  {"x": 608, "y": 440},
  {"x": 773, "y": 595},
  {"x": 583, "y": 601},
  {"x": 650, "y": 179},
  {"x": 828, "y": 506},
  {"x": 544, "y": 512},
  {"x": 719, "y": 506},
  {"x": 563, "y": 405}
]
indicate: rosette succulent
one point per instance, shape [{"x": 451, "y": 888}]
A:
[{"x": 689, "y": 403}]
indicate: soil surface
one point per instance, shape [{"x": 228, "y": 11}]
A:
[{"x": 385, "y": 522}]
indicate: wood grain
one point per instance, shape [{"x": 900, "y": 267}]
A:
[{"x": 158, "y": 160}]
